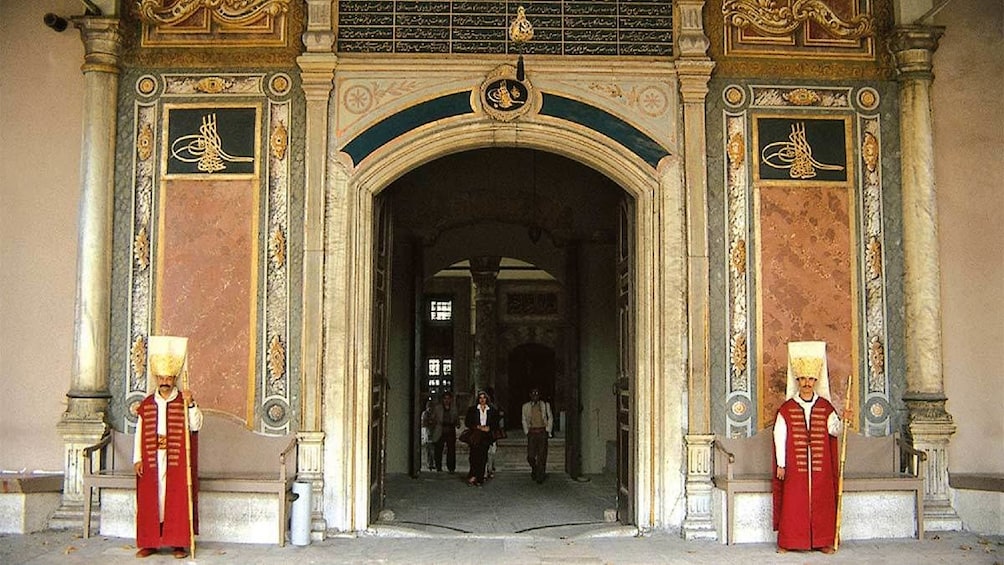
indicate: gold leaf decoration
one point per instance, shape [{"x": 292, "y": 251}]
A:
[
  {"x": 137, "y": 355},
  {"x": 870, "y": 151},
  {"x": 779, "y": 19},
  {"x": 738, "y": 258},
  {"x": 876, "y": 356},
  {"x": 736, "y": 149},
  {"x": 144, "y": 142},
  {"x": 801, "y": 97},
  {"x": 235, "y": 13},
  {"x": 213, "y": 85},
  {"x": 279, "y": 141},
  {"x": 276, "y": 358},
  {"x": 141, "y": 248},
  {"x": 739, "y": 352},
  {"x": 873, "y": 257},
  {"x": 279, "y": 247}
]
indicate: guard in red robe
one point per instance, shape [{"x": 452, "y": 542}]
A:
[
  {"x": 166, "y": 512},
  {"x": 806, "y": 454}
]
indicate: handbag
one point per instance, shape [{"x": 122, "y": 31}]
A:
[
  {"x": 499, "y": 433},
  {"x": 465, "y": 436}
]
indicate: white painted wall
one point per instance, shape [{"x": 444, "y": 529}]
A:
[{"x": 41, "y": 93}]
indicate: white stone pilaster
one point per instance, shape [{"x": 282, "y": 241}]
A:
[
  {"x": 694, "y": 71},
  {"x": 317, "y": 76}
]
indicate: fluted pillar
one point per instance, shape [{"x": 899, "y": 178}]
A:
[
  {"x": 484, "y": 272},
  {"x": 317, "y": 68},
  {"x": 694, "y": 71},
  {"x": 929, "y": 425},
  {"x": 84, "y": 420}
]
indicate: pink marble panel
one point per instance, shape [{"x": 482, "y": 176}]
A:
[
  {"x": 207, "y": 285},
  {"x": 805, "y": 283}
]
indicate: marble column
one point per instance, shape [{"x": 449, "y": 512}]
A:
[
  {"x": 84, "y": 420},
  {"x": 317, "y": 68},
  {"x": 484, "y": 272},
  {"x": 694, "y": 71},
  {"x": 929, "y": 425}
]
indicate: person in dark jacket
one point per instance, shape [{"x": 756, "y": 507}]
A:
[{"x": 482, "y": 420}]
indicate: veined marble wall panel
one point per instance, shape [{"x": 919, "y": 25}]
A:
[
  {"x": 751, "y": 294},
  {"x": 204, "y": 253},
  {"x": 644, "y": 95}
]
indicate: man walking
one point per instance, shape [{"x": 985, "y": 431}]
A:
[
  {"x": 537, "y": 425},
  {"x": 444, "y": 432},
  {"x": 165, "y": 476}
]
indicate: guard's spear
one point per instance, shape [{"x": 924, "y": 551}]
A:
[{"x": 843, "y": 459}]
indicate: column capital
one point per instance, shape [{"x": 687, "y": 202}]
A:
[
  {"x": 317, "y": 74},
  {"x": 319, "y": 37},
  {"x": 691, "y": 39},
  {"x": 102, "y": 39},
  {"x": 914, "y": 47},
  {"x": 694, "y": 75}
]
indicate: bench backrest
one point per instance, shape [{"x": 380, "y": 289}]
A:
[
  {"x": 870, "y": 455},
  {"x": 226, "y": 446},
  {"x": 755, "y": 455}
]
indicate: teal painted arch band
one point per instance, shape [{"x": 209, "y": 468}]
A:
[
  {"x": 458, "y": 103},
  {"x": 639, "y": 143},
  {"x": 402, "y": 122}
]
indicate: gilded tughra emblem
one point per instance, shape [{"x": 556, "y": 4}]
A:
[
  {"x": 205, "y": 148},
  {"x": 503, "y": 96},
  {"x": 795, "y": 155}
]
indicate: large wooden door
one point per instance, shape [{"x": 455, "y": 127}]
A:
[
  {"x": 378, "y": 378},
  {"x": 624, "y": 385}
]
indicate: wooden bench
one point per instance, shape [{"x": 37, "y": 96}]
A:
[
  {"x": 872, "y": 464},
  {"x": 232, "y": 459}
]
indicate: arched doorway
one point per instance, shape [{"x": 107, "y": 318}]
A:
[{"x": 657, "y": 230}]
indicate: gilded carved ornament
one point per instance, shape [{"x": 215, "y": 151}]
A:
[
  {"x": 279, "y": 247},
  {"x": 801, "y": 97},
  {"x": 876, "y": 356},
  {"x": 739, "y": 352},
  {"x": 235, "y": 13},
  {"x": 870, "y": 151},
  {"x": 739, "y": 256},
  {"x": 144, "y": 142},
  {"x": 873, "y": 257},
  {"x": 137, "y": 355},
  {"x": 279, "y": 141},
  {"x": 768, "y": 18},
  {"x": 736, "y": 149},
  {"x": 276, "y": 358},
  {"x": 213, "y": 85},
  {"x": 141, "y": 248}
]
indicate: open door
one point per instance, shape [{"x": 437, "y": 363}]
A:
[
  {"x": 378, "y": 377},
  {"x": 624, "y": 386}
]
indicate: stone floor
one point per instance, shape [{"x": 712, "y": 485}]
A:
[{"x": 438, "y": 519}]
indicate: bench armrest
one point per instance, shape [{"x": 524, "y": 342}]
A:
[
  {"x": 918, "y": 457},
  {"x": 282, "y": 457},
  {"x": 88, "y": 451},
  {"x": 731, "y": 458}
]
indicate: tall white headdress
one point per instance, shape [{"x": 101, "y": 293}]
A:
[
  {"x": 807, "y": 359},
  {"x": 167, "y": 355}
]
